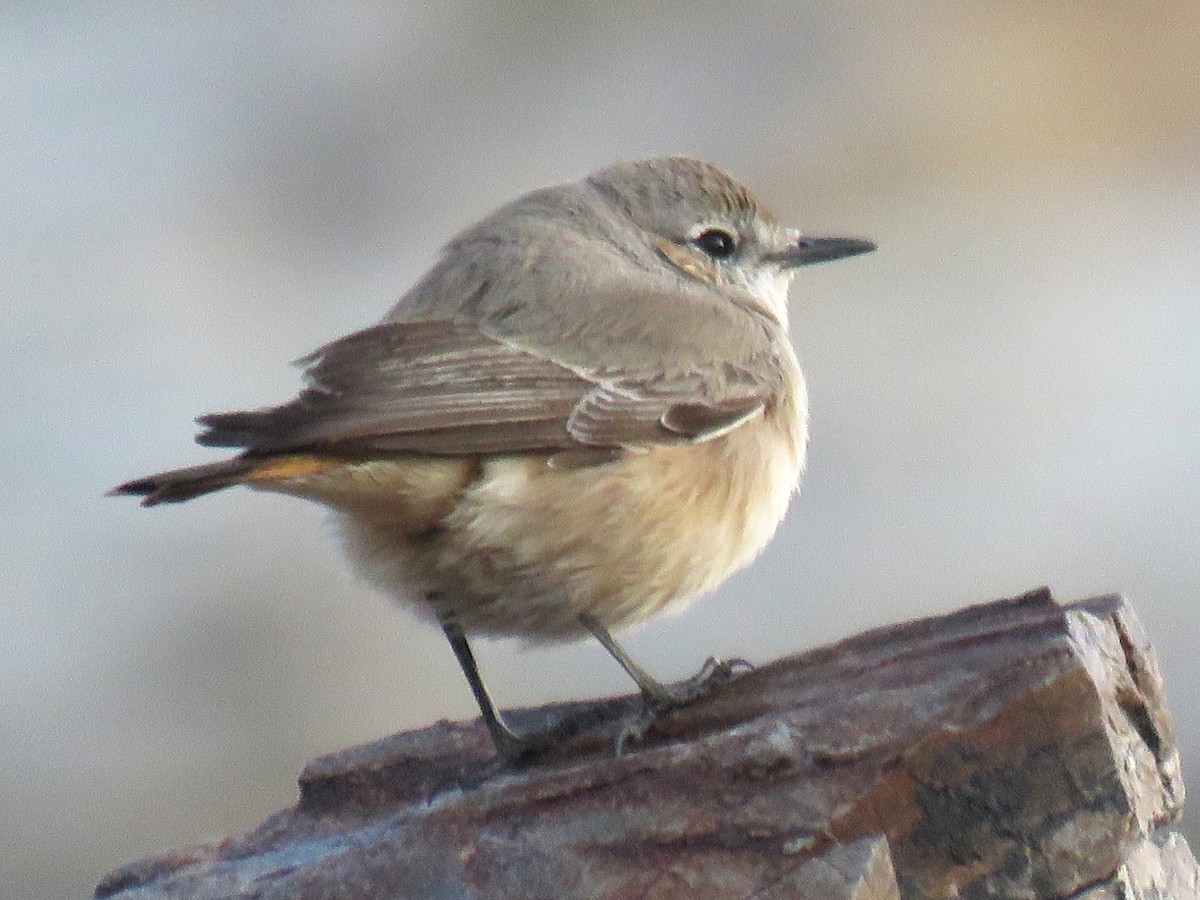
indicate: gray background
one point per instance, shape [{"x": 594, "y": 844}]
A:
[{"x": 192, "y": 194}]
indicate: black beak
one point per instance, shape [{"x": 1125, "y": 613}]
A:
[{"x": 809, "y": 250}]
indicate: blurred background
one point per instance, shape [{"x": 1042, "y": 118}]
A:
[{"x": 1006, "y": 394}]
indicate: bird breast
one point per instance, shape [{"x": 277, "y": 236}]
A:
[{"x": 528, "y": 548}]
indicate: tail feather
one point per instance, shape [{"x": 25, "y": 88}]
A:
[{"x": 184, "y": 484}]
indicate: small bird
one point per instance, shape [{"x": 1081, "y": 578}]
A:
[{"x": 587, "y": 411}]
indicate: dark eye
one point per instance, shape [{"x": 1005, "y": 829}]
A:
[{"x": 717, "y": 243}]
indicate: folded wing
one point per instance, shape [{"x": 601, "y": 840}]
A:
[{"x": 446, "y": 388}]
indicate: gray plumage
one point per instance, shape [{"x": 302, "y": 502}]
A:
[
  {"x": 587, "y": 411},
  {"x": 519, "y": 340}
]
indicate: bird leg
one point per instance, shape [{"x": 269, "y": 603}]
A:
[
  {"x": 509, "y": 746},
  {"x": 659, "y": 698}
]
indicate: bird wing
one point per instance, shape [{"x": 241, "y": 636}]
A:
[
  {"x": 448, "y": 388},
  {"x": 529, "y": 339}
]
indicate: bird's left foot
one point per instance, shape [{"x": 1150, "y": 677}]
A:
[{"x": 660, "y": 699}]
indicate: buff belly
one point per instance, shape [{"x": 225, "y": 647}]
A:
[{"x": 520, "y": 548}]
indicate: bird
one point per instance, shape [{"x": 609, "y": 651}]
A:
[{"x": 588, "y": 411}]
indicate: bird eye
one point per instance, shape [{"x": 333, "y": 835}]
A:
[{"x": 716, "y": 242}]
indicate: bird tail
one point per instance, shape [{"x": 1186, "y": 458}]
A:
[
  {"x": 184, "y": 484},
  {"x": 258, "y": 470}
]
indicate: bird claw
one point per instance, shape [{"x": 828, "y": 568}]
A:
[
  {"x": 666, "y": 698},
  {"x": 634, "y": 728},
  {"x": 713, "y": 674}
]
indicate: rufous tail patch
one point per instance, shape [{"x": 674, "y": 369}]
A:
[{"x": 299, "y": 465}]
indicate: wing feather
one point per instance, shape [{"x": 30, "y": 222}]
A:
[
  {"x": 420, "y": 386},
  {"x": 446, "y": 388}
]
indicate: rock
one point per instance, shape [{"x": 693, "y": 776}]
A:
[{"x": 1014, "y": 749}]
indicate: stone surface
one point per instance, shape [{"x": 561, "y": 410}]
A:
[
  {"x": 1015, "y": 749},
  {"x": 861, "y": 870},
  {"x": 1161, "y": 867}
]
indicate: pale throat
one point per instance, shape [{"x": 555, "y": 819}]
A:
[{"x": 770, "y": 289}]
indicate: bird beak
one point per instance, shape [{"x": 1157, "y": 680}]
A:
[{"x": 808, "y": 250}]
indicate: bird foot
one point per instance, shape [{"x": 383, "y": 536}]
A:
[{"x": 660, "y": 699}]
